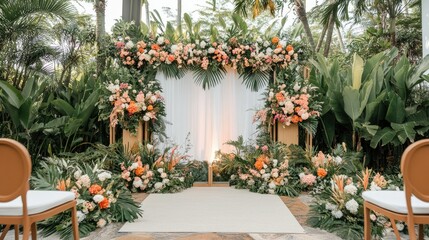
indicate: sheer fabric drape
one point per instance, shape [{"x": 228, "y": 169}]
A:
[{"x": 211, "y": 117}]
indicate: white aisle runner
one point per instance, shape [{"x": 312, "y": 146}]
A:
[{"x": 215, "y": 209}]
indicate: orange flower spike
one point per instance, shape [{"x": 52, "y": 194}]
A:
[
  {"x": 339, "y": 181},
  {"x": 61, "y": 185},
  {"x": 365, "y": 178},
  {"x": 275, "y": 40}
]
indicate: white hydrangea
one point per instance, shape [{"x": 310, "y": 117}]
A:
[
  {"x": 98, "y": 198},
  {"x": 146, "y": 118},
  {"x": 352, "y": 206},
  {"x": 211, "y": 50},
  {"x": 113, "y": 88},
  {"x": 85, "y": 180},
  {"x": 165, "y": 181},
  {"x": 163, "y": 175},
  {"x": 160, "y": 170},
  {"x": 173, "y": 48},
  {"x": 272, "y": 185},
  {"x": 203, "y": 44},
  {"x": 250, "y": 182},
  {"x": 160, "y": 40},
  {"x": 101, "y": 223},
  {"x": 337, "y": 214},
  {"x": 350, "y": 189},
  {"x": 330, "y": 206},
  {"x": 104, "y": 175},
  {"x": 134, "y": 166}
]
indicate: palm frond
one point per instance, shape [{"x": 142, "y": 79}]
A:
[
  {"x": 210, "y": 77},
  {"x": 255, "y": 80}
]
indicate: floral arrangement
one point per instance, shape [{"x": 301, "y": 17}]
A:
[
  {"x": 260, "y": 55},
  {"x": 101, "y": 197},
  {"x": 135, "y": 101},
  {"x": 290, "y": 102},
  {"x": 165, "y": 174}
]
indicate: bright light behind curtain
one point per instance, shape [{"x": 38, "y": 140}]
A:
[{"x": 212, "y": 117}]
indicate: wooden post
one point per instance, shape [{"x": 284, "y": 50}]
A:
[
  {"x": 210, "y": 174},
  {"x": 132, "y": 140},
  {"x": 112, "y": 135},
  {"x": 285, "y": 134}
]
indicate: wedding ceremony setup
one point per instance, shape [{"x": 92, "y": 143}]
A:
[{"x": 222, "y": 119}]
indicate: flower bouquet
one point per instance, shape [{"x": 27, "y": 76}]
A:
[
  {"x": 101, "y": 197},
  {"x": 135, "y": 101}
]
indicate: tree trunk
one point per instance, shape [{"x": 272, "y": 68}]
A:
[
  {"x": 340, "y": 39},
  {"x": 146, "y": 8},
  {"x": 329, "y": 33},
  {"x": 179, "y": 15},
  {"x": 100, "y": 13},
  {"x": 322, "y": 36},
  {"x": 302, "y": 15},
  {"x": 392, "y": 31}
]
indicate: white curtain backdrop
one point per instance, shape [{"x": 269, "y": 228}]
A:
[{"x": 211, "y": 117}]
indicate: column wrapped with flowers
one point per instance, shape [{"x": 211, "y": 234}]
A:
[
  {"x": 136, "y": 106},
  {"x": 290, "y": 102}
]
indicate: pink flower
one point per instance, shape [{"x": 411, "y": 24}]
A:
[
  {"x": 140, "y": 97},
  {"x": 308, "y": 179},
  {"x": 264, "y": 148}
]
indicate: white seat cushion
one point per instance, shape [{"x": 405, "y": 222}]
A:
[
  {"x": 395, "y": 201},
  {"x": 37, "y": 202}
]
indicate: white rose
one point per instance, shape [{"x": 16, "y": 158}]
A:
[
  {"x": 163, "y": 175},
  {"x": 271, "y": 191},
  {"x": 211, "y": 50},
  {"x": 352, "y": 206},
  {"x": 271, "y": 95},
  {"x": 77, "y": 174},
  {"x": 250, "y": 182},
  {"x": 160, "y": 40},
  {"x": 137, "y": 183},
  {"x": 282, "y": 42},
  {"x": 203, "y": 44},
  {"x": 338, "y": 160},
  {"x": 101, "y": 223},
  {"x": 262, "y": 171},
  {"x": 337, "y": 214},
  {"x": 165, "y": 180},
  {"x": 98, "y": 198},
  {"x": 147, "y": 57},
  {"x": 400, "y": 226},
  {"x": 104, "y": 175},
  {"x": 275, "y": 161},
  {"x": 134, "y": 166},
  {"x": 173, "y": 48},
  {"x": 305, "y": 116},
  {"x": 129, "y": 45},
  {"x": 272, "y": 185},
  {"x": 113, "y": 87},
  {"x": 296, "y": 87},
  {"x": 158, "y": 185},
  {"x": 160, "y": 170},
  {"x": 275, "y": 175},
  {"x": 266, "y": 43}
]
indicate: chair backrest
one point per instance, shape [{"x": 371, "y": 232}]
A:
[
  {"x": 414, "y": 168},
  {"x": 15, "y": 169}
]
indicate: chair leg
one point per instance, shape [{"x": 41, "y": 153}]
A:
[
  {"x": 411, "y": 230},
  {"x": 421, "y": 233},
  {"x": 395, "y": 229},
  {"x": 26, "y": 231},
  {"x": 16, "y": 228},
  {"x": 367, "y": 222},
  {"x": 5, "y": 230},
  {"x": 33, "y": 231},
  {"x": 75, "y": 223}
]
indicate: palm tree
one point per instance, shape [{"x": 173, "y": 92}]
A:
[{"x": 24, "y": 28}]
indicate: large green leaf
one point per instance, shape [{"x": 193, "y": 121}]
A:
[
  {"x": 405, "y": 131},
  {"x": 11, "y": 94},
  {"x": 328, "y": 124},
  {"x": 357, "y": 70},
  {"x": 396, "y": 110},
  {"x": 210, "y": 77},
  {"x": 351, "y": 102},
  {"x": 255, "y": 80},
  {"x": 384, "y": 136},
  {"x": 64, "y": 107},
  {"x": 421, "y": 70}
]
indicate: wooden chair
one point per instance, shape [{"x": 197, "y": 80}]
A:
[
  {"x": 412, "y": 204},
  {"x": 21, "y": 206}
]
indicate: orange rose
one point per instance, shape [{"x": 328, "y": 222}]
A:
[
  {"x": 289, "y": 48},
  {"x": 155, "y": 47},
  {"x": 280, "y": 97},
  {"x": 104, "y": 203},
  {"x": 150, "y": 108},
  {"x": 296, "y": 119},
  {"x": 275, "y": 40},
  {"x": 141, "y": 50},
  {"x": 279, "y": 46},
  {"x": 263, "y": 158},
  {"x": 321, "y": 172},
  {"x": 95, "y": 189},
  {"x": 132, "y": 108},
  {"x": 259, "y": 165},
  {"x": 139, "y": 171},
  {"x": 171, "y": 58}
]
